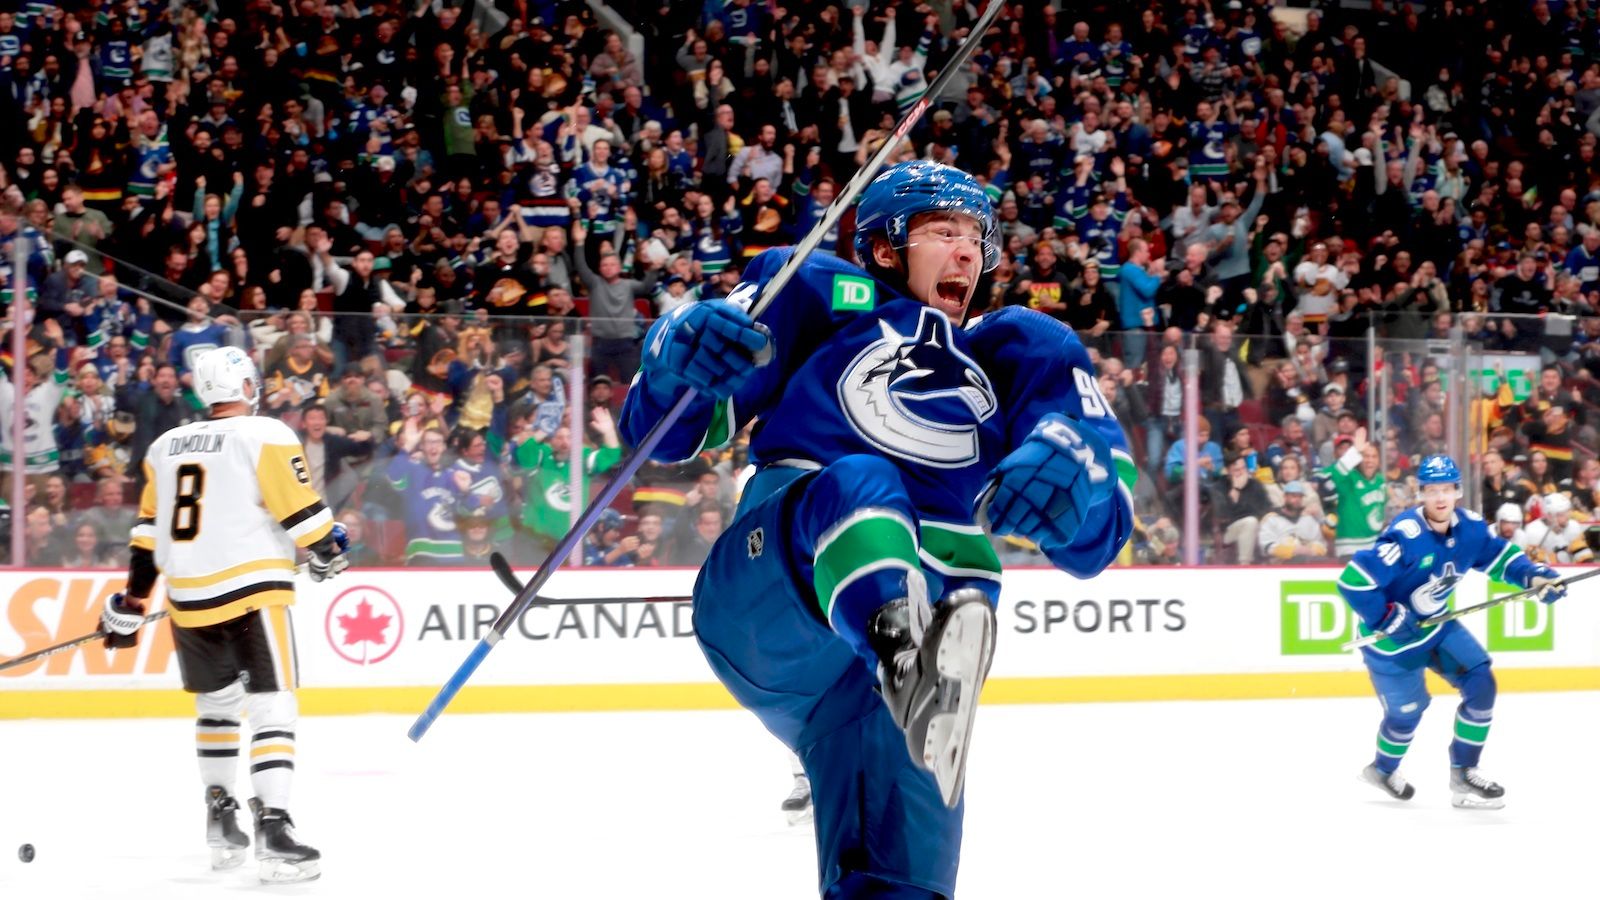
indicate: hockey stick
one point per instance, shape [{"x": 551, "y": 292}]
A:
[
  {"x": 624, "y": 472},
  {"x": 1370, "y": 639},
  {"x": 502, "y": 570},
  {"x": 98, "y": 634}
]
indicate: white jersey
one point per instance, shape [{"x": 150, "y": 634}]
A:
[
  {"x": 1548, "y": 544},
  {"x": 39, "y": 435},
  {"x": 226, "y": 502}
]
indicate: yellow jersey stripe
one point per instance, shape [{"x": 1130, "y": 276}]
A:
[
  {"x": 197, "y": 618},
  {"x": 259, "y": 565}
]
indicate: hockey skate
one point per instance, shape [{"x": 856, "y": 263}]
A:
[
  {"x": 797, "y": 806},
  {"x": 1394, "y": 784},
  {"x": 283, "y": 858},
  {"x": 931, "y": 681},
  {"x": 1470, "y": 790},
  {"x": 223, "y": 835}
]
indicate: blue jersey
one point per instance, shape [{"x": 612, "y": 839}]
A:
[
  {"x": 430, "y": 497},
  {"x": 1416, "y": 566},
  {"x": 1208, "y": 159},
  {"x": 858, "y": 368}
]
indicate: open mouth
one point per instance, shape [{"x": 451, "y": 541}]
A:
[{"x": 953, "y": 289}]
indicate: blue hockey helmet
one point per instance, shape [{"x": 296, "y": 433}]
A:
[
  {"x": 1438, "y": 469},
  {"x": 904, "y": 190}
]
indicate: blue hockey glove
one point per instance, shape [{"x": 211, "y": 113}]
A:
[
  {"x": 711, "y": 346},
  {"x": 121, "y": 620},
  {"x": 327, "y": 557},
  {"x": 1549, "y": 579},
  {"x": 1399, "y": 625},
  {"x": 1043, "y": 489}
]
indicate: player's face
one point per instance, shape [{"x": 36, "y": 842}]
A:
[
  {"x": 944, "y": 257},
  {"x": 1439, "y": 501}
]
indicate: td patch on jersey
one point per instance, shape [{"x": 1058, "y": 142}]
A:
[
  {"x": 917, "y": 396},
  {"x": 852, "y": 293}
]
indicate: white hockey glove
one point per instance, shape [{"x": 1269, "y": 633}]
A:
[
  {"x": 327, "y": 557},
  {"x": 121, "y": 620}
]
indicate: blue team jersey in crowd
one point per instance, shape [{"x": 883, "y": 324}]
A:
[
  {"x": 1413, "y": 565},
  {"x": 858, "y": 368}
]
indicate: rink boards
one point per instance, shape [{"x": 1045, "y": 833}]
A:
[{"x": 382, "y": 640}]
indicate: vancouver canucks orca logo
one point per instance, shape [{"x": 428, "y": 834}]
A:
[
  {"x": 1430, "y": 597},
  {"x": 916, "y": 396}
]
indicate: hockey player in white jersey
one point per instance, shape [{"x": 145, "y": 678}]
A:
[
  {"x": 227, "y": 502},
  {"x": 1554, "y": 538}
]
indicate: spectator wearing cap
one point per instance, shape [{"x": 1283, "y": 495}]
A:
[
  {"x": 1290, "y": 534},
  {"x": 353, "y": 408},
  {"x": 1238, "y": 501},
  {"x": 67, "y": 291},
  {"x": 81, "y": 225},
  {"x": 1326, "y": 422},
  {"x": 605, "y": 545}
]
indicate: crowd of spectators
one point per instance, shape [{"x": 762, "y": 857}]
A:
[{"x": 408, "y": 211}]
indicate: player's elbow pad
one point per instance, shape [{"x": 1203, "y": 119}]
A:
[{"x": 142, "y": 572}]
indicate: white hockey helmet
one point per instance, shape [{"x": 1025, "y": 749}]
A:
[
  {"x": 1555, "y": 504},
  {"x": 220, "y": 376},
  {"x": 1508, "y": 512}
]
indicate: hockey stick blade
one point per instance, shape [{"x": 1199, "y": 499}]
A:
[
  {"x": 98, "y": 634},
  {"x": 1368, "y": 640},
  {"x": 502, "y": 571},
  {"x": 769, "y": 292}
]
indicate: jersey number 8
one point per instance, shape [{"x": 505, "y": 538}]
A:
[{"x": 186, "y": 506}]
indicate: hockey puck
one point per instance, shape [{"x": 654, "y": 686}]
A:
[{"x": 25, "y": 853}]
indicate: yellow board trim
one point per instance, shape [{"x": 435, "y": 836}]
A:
[
  {"x": 259, "y": 565},
  {"x": 92, "y": 704}
]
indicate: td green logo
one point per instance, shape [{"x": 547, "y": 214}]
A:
[
  {"x": 1520, "y": 624},
  {"x": 1314, "y": 618},
  {"x": 852, "y": 294}
]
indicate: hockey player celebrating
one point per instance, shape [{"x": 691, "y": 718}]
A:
[
  {"x": 227, "y": 500},
  {"x": 1395, "y": 586},
  {"x": 850, "y": 604}
]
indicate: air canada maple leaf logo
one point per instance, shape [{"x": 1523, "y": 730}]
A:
[{"x": 364, "y": 625}]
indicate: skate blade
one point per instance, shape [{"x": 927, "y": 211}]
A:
[
  {"x": 1410, "y": 791},
  {"x": 283, "y": 871},
  {"x": 227, "y": 857},
  {"x": 965, "y": 650},
  {"x": 1469, "y": 801},
  {"x": 798, "y": 816}
]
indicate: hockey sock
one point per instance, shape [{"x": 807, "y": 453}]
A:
[
  {"x": 1392, "y": 746},
  {"x": 863, "y": 561},
  {"x": 1472, "y": 729},
  {"x": 272, "y": 716},
  {"x": 216, "y": 734},
  {"x": 216, "y": 743}
]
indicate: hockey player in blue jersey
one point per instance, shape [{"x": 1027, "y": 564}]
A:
[
  {"x": 850, "y": 604},
  {"x": 1406, "y": 577}
]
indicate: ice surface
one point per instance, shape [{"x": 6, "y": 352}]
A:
[{"x": 1152, "y": 800}]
